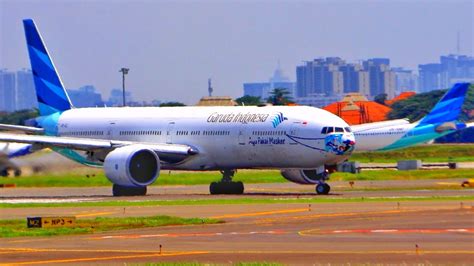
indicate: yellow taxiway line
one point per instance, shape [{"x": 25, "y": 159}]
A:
[
  {"x": 122, "y": 257},
  {"x": 250, "y": 214},
  {"x": 93, "y": 214}
]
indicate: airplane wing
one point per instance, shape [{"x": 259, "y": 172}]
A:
[
  {"x": 377, "y": 125},
  {"x": 84, "y": 144},
  {"x": 30, "y": 130}
]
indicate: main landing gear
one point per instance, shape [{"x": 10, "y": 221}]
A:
[
  {"x": 226, "y": 185},
  {"x": 121, "y": 191},
  {"x": 322, "y": 188}
]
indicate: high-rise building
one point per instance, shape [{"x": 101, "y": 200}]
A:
[
  {"x": 430, "y": 77},
  {"x": 7, "y": 91},
  {"x": 116, "y": 97},
  {"x": 332, "y": 76},
  {"x": 85, "y": 96},
  {"x": 320, "y": 76},
  {"x": 356, "y": 79},
  {"x": 381, "y": 78},
  {"x": 405, "y": 80},
  {"x": 263, "y": 89},
  {"x": 451, "y": 69},
  {"x": 25, "y": 90}
]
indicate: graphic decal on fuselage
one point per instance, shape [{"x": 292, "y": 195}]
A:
[
  {"x": 267, "y": 141},
  {"x": 338, "y": 144},
  {"x": 278, "y": 119},
  {"x": 242, "y": 118}
]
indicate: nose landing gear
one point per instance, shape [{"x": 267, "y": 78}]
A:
[{"x": 322, "y": 188}]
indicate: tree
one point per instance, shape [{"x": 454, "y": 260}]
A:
[
  {"x": 417, "y": 106},
  {"x": 248, "y": 100},
  {"x": 381, "y": 98},
  {"x": 18, "y": 117},
  {"x": 280, "y": 96},
  {"x": 172, "y": 104}
]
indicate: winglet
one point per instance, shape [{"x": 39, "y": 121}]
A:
[
  {"x": 52, "y": 97},
  {"x": 449, "y": 107}
]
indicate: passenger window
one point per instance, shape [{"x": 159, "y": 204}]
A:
[
  {"x": 339, "y": 129},
  {"x": 324, "y": 130}
]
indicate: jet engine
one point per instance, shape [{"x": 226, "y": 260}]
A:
[
  {"x": 304, "y": 176},
  {"x": 132, "y": 166}
]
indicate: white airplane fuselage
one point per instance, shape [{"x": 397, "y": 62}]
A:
[
  {"x": 377, "y": 139},
  {"x": 226, "y": 137}
]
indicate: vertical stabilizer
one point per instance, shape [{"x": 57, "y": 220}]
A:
[
  {"x": 449, "y": 107},
  {"x": 52, "y": 96}
]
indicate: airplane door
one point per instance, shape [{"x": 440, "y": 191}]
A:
[
  {"x": 242, "y": 135},
  {"x": 110, "y": 131},
  {"x": 169, "y": 132}
]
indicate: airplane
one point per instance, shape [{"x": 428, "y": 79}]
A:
[
  {"x": 398, "y": 134},
  {"x": 134, "y": 144},
  {"x": 9, "y": 151}
]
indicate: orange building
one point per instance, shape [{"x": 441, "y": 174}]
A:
[
  {"x": 402, "y": 96},
  {"x": 357, "y": 109}
]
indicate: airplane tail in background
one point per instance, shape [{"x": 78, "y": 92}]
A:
[
  {"x": 52, "y": 97},
  {"x": 449, "y": 107}
]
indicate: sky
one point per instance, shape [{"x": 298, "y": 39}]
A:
[{"x": 173, "y": 47}]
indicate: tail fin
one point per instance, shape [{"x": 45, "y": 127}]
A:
[
  {"x": 449, "y": 107},
  {"x": 52, "y": 96}
]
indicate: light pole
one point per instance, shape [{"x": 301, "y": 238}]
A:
[{"x": 124, "y": 72}]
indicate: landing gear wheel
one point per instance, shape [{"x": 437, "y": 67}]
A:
[
  {"x": 17, "y": 173},
  {"x": 226, "y": 185},
  {"x": 230, "y": 188},
  {"x": 121, "y": 191},
  {"x": 323, "y": 189},
  {"x": 4, "y": 173}
]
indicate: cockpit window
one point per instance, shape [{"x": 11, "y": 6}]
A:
[
  {"x": 330, "y": 130},
  {"x": 324, "y": 130},
  {"x": 339, "y": 129},
  {"x": 348, "y": 129}
]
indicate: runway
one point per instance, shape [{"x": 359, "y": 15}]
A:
[{"x": 411, "y": 231}]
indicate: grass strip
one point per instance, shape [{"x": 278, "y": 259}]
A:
[
  {"x": 426, "y": 153},
  {"x": 246, "y": 176},
  {"x": 17, "y": 228},
  {"x": 97, "y": 178},
  {"x": 309, "y": 199},
  {"x": 379, "y": 175}
]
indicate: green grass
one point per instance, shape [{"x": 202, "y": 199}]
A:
[
  {"x": 375, "y": 175},
  {"x": 237, "y": 200},
  {"x": 17, "y": 228},
  {"x": 97, "y": 178},
  {"x": 426, "y": 153},
  {"x": 246, "y": 176}
]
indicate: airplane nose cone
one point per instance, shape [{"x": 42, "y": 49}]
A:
[
  {"x": 340, "y": 144},
  {"x": 349, "y": 141}
]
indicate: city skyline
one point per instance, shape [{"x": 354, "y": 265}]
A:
[{"x": 173, "y": 48}]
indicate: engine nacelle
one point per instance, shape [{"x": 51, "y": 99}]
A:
[
  {"x": 304, "y": 176},
  {"x": 132, "y": 166}
]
